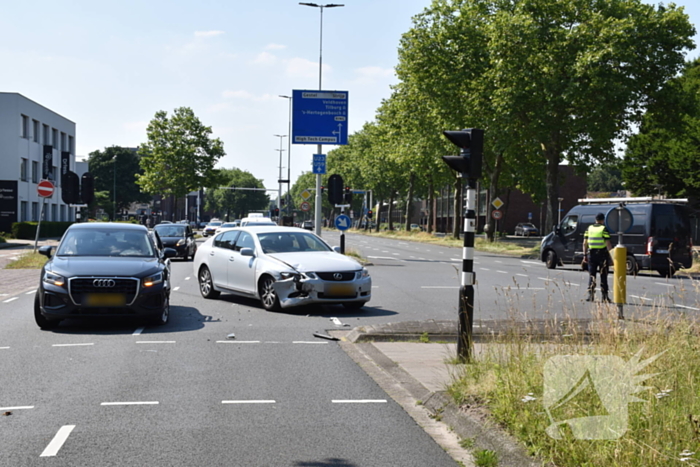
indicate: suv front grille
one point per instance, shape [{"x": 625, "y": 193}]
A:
[
  {"x": 80, "y": 286},
  {"x": 328, "y": 276}
]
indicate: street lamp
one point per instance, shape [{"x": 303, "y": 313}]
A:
[
  {"x": 317, "y": 207},
  {"x": 559, "y": 212},
  {"x": 289, "y": 153},
  {"x": 114, "y": 187},
  {"x": 279, "y": 179}
]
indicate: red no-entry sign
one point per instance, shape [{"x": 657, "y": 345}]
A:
[{"x": 45, "y": 188}]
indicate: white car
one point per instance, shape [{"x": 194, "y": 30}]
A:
[{"x": 280, "y": 266}]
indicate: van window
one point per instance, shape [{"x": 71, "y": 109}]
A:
[
  {"x": 568, "y": 224},
  {"x": 669, "y": 221}
]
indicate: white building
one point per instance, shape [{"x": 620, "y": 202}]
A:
[{"x": 35, "y": 143}]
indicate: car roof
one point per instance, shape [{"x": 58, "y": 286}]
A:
[{"x": 108, "y": 225}]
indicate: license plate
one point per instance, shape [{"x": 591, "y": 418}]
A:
[
  {"x": 662, "y": 251},
  {"x": 340, "y": 290},
  {"x": 105, "y": 299}
]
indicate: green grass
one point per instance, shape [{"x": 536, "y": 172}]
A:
[
  {"x": 509, "y": 379},
  {"x": 485, "y": 458},
  {"x": 28, "y": 260}
]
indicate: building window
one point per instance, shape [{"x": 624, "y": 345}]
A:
[
  {"x": 36, "y": 126},
  {"x": 56, "y": 178},
  {"x": 35, "y": 172},
  {"x": 23, "y": 211},
  {"x": 71, "y": 145},
  {"x": 63, "y": 213},
  {"x": 64, "y": 144},
  {"x": 35, "y": 212},
  {"x": 54, "y": 138},
  {"x": 53, "y": 213},
  {"x": 25, "y": 127},
  {"x": 23, "y": 170},
  {"x": 47, "y": 134}
]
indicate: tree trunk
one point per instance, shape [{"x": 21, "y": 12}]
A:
[
  {"x": 430, "y": 227},
  {"x": 553, "y": 156},
  {"x": 389, "y": 210},
  {"x": 493, "y": 192},
  {"x": 457, "y": 204},
  {"x": 409, "y": 198}
]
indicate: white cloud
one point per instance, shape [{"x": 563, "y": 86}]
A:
[
  {"x": 303, "y": 68},
  {"x": 265, "y": 58},
  {"x": 245, "y": 95},
  {"x": 208, "y": 33},
  {"x": 275, "y": 47},
  {"x": 373, "y": 72}
]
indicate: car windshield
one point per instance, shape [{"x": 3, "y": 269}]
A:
[
  {"x": 105, "y": 242},
  {"x": 213, "y": 224},
  {"x": 170, "y": 230},
  {"x": 288, "y": 242}
]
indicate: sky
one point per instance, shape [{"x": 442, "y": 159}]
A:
[{"x": 110, "y": 66}]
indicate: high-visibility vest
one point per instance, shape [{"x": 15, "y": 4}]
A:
[{"x": 597, "y": 235}]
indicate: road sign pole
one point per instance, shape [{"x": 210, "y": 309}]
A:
[
  {"x": 466, "y": 291},
  {"x": 38, "y": 226},
  {"x": 319, "y": 199}
]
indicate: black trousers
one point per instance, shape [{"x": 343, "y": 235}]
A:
[{"x": 598, "y": 261}]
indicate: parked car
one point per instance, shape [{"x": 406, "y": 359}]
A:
[
  {"x": 256, "y": 220},
  {"x": 226, "y": 225},
  {"x": 280, "y": 266},
  {"x": 178, "y": 237},
  {"x": 103, "y": 269},
  {"x": 658, "y": 239},
  {"x": 211, "y": 227},
  {"x": 525, "y": 229},
  {"x": 307, "y": 225}
]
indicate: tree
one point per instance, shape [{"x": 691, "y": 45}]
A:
[
  {"x": 236, "y": 203},
  {"x": 607, "y": 178},
  {"x": 663, "y": 157},
  {"x": 548, "y": 80},
  {"x": 102, "y": 165},
  {"x": 179, "y": 156}
]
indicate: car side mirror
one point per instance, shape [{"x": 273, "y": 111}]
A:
[
  {"x": 45, "y": 250},
  {"x": 169, "y": 252},
  {"x": 336, "y": 249},
  {"x": 247, "y": 252},
  {"x": 556, "y": 229}
]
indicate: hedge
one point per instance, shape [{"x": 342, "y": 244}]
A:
[{"x": 27, "y": 230}]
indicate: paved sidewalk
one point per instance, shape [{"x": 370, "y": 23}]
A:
[{"x": 17, "y": 281}]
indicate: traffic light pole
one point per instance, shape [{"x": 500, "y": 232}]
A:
[{"x": 466, "y": 290}]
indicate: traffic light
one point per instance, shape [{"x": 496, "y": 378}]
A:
[
  {"x": 277, "y": 212},
  {"x": 70, "y": 191},
  {"x": 322, "y": 187},
  {"x": 335, "y": 189},
  {"x": 347, "y": 198},
  {"x": 369, "y": 214},
  {"x": 87, "y": 188},
  {"x": 471, "y": 143}
]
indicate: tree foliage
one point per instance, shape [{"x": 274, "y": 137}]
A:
[
  {"x": 180, "y": 155},
  {"x": 117, "y": 167},
  {"x": 236, "y": 203}
]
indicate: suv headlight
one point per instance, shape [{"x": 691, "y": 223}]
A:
[
  {"x": 362, "y": 274},
  {"x": 150, "y": 281},
  {"x": 181, "y": 242},
  {"x": 54, "y": 279}
]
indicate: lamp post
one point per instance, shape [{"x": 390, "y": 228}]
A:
[
  {"x": 279, "y": 179},
  {"x": 289, "y": 153},
  {"x": 114, "y": 187},
  {"x": 318, "y": 200}
]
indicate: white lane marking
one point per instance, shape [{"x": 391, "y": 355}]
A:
[
  {"x": 688, "y": 307},
  {"x": 456, "y": 259},
  {"x": 498, "y": 261},
  {"x": 187, "y": 278},
  {"x": 663, "y": 283},
  {"x": 381, "y": 257},
  {"x": 237, "y": 342},
  {"x": 19, "y": 407},
  {"x": 72, "y": 345},
  {"x": 573, "y": 283},
  {"x": 522, "y": 275},
  {"x": 642, "y": 298},
  {"x": 531, "y": 262},
  {"x": 250, "y": 402},
  {"x": 139, "y": 331},
  {"x": 309, "y": 342},
  {"x": 515, "y": 289},
  {"x": 57, "y": 441},
  {"x": 503, "y": 272},
  {"x": 438, "y": 287},
  {"x": 130, "y": 403},
  {"x": 31, "y": 292},
  {"x": 4, "y": 348},
  {"x": 176, "y": 289},
  {"x": 359, "y": 401},
  {"x": 155, "y": 342},
  {"x": 545, "y": 279},
  {"x": 484, "y": 269},
  {"x": 10, "y": 300}
]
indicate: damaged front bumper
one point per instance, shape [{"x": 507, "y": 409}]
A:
[{"x": 297, "y": 290}]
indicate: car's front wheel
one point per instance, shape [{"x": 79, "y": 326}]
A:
[
  {"x": 206, "y": 284},
  {"x": 40, "y": 319},
  {"x": 268, "y": 296},
  {"x": 551, "y": 260},
  {"x": 164, "y": 316}
]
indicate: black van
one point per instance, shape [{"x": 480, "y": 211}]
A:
[{"x": 659, "y": 239}]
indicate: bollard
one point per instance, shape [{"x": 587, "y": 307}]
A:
[{"x": 620, "y": 278}]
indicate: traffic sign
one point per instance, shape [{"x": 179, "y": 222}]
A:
[
  {"x": 619, "y": 220},
  {"x": 497, "y": 203},
  {"x": 305, "y": 206},
  {"x": 319, "y": 164},
  {"x": 45, "y": 188},
  {"x": 342, "y": 222},
  {"x": 496, "y": 214},
  {"x": 319, "y": 117},
  {"x": 306, "y": 194}
]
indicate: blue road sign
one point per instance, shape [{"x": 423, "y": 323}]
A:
[
  {"x": 319, "y": 117},
  {"x": 319, "y": 164},
  {"x": 342, "y": 222}
]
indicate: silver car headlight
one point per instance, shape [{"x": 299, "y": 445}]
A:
[
  {"x": 150, "y": 281},
  {"x": 362, "y": 274},
  {"x": 311, "y": 275},
  {"x": 54, "y": 279}
]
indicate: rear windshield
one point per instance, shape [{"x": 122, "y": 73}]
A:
[{"x": 670, "y": 221}]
